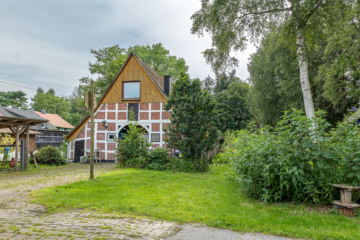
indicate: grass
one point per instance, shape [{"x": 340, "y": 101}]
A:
[{"x": 210, "y": 198}]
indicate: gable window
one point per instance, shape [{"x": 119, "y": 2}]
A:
[{"x": 131, "y": 90}]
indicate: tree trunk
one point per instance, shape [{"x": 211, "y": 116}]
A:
[{"x": 304, "y": 72}]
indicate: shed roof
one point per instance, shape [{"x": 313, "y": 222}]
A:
[
  {"x": 23, "y": 113},
  {"x": 20, "y": 115}
]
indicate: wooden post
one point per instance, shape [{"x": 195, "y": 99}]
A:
[
  {"x": 17, "y": 147},
  {"x": 27, "y": 149},
  {"x": 92, "y": 132}
]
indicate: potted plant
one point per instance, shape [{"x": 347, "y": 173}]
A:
[{"x": 84, "y": 160}]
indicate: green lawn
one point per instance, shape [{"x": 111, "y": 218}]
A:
[{"x": 209, "y": 198}]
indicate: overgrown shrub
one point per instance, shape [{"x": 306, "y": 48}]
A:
[
  {"x": 158, "y": 158},
  {"x": 132, "y": 150},
  {"x": 49, "y": 155},
  {"x": 298, "y": 160}
]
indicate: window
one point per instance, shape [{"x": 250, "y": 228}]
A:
[
  {"x": 131, "y": 90},
  {"x": 111, "y": 137},
  {"x": 155, "y": 137}
]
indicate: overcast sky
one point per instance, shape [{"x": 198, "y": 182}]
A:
[{"x": 47, "y": 43}]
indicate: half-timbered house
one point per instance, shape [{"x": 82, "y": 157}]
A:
[{"x": 138, "y": 87}]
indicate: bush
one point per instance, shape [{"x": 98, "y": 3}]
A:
[
  {"x": 132, "y": 151},
  {"x": 49, "y": 155},
  {"x": 174, "y": 164},
  {"x": 298, "y": 160},
  {"x": 158, "y": 158}
]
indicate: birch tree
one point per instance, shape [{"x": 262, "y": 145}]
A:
[{"x": 232, "y": 23}]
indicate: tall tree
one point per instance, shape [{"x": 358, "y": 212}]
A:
[
  {"x": 208, "y": 84},
  {"x": 232, "y": 107},
  {"x": 15, "y": 99},
  {"x": 274, "y": 75},
  {"x": 340, "y": 72},
  {"x": 54, "y": 104},
  {"x": 194, "y": 121},
  {"x": 224, "y": 80},
  {"x": 232, "y": 22}
]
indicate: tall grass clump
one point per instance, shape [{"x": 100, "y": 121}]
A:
[{"x": 298, "y": 160}]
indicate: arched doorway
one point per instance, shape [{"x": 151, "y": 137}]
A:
[{"x": 126, "y": 128}]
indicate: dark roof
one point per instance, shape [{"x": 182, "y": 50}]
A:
[
  {"x": 20, "y": 113},
  {"x": 155, "y": 77},
  {"x": 5, "y": 113}
]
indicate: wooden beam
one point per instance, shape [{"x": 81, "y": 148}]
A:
[
  {"x": 11, "y": 129},
  {"x": 11, "y": 120},
  {"x": 7, "y": 145},
  {"x": 17, "y": 148},
  {"x": 27, "y": 149},
  {"x": 19, "y": 123}
]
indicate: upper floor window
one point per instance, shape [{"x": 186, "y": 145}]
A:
[{"x": 131, "y": 90}]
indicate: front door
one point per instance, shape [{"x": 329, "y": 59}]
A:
[{"x": 79, "y": 150}]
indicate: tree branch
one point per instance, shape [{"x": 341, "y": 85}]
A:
[
  {"x": 311, "y": 12},
  {"x": 268, "y": 11}
]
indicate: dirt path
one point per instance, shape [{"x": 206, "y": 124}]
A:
[{"x": 20, "y": 219}]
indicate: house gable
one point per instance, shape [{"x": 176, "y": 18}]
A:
[{"x": 134, "y": 69}]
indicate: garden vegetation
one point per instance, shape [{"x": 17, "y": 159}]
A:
[{"x": 298, "y": 160}]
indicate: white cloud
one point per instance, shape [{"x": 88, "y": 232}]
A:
[{"x": 47, "y": 43}]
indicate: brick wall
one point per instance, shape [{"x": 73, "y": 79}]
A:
[
  {"x": 99, "y": 115},
  {"x": 150, "y": 114},
  {"x": 100, "y": 136},
  {"x": 155, "y": 106},
  {"x": 122, "y": 106},
  {"x": 144, "y": 116},
  {"x": 111, "y": 115},
  {"x": 111, "y": 106},
  {"x": 155, "y": 116},
  {"x": 121, "y": 115},
  {"x": 166, "y": 115},
  {"x": 111, "y": 146},
  {"x": 111, "y": 127},
  {"x": 144, "y": 106},
  {"x": 100, "y": 145},
  {"x": 155, "y": 127}
]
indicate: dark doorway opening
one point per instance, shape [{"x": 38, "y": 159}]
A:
[{"x": 79, "y": 150}]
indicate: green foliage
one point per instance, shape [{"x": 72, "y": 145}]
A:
[
  {"x": 159, "y": 59},
  {"x": 158, "y": 159},
  {"x": 297, "y": 160},
  {"x": 49, "y": 155},
  {"x": 132, "y": 150},
  {"x": 232, "y": 108},
  {"x": 194, "y": 121},
  {"x": 64, "y": 147},
  {"x": 15, "y": 99},
  {"x": 224, "y": 81},
  {"x": 56, "y": 105},
  {"x": 208, "y": 84},
  {"x": 340, "y": 70},
  {"x": 275, "y": 77}
]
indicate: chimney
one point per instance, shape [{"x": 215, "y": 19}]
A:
[
  {"x": 167, "y": 84},
  {"x": 43, "y": 111}
]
